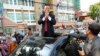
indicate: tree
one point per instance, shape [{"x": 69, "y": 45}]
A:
[{"x": 95, "y": 11}]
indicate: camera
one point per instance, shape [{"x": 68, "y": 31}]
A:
[{"x": 75, "y": 43}]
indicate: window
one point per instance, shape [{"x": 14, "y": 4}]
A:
[
  {"x": 26, "y": 16},
  {"x": 20, "y": 2},
  {"x": 66, "y": 17},
  {"x": 69, "y": 1},
  {"x": 63, "y": 16},
  {"x": 31, "y": 3},
  {"x": 62, "y": 7},
  {"x": 18, "y": 16},
  {"x": 59, "y": 17},
  {"x": 28, "y": 3},
  {"x": 15, "y": 2},
  {"x": 70, "y": 8},
  {"x": 7, "y": 1},
  {"x": 10, "y": 1},
  {"x": 59, "y": 7},
  {"x": 32, "y": 17},
  {"x": 70, "y": 16},
  {"x": 25, "y": 2},
  {"x": 11, "y": 16}
]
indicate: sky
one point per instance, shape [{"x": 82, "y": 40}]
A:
[{"x": 85, "y": 4}]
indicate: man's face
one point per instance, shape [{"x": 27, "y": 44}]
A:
[
  {"x": 88, "y": 31},
  {"x": 46, "y": 9}
]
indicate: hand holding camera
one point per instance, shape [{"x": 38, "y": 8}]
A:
[{"x": 81, "y": 51}]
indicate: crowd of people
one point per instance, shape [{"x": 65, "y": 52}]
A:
[{"x": 9, "y": 42}]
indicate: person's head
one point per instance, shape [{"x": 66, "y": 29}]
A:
[
  {"x": 93, "y": 28},
  {"x": 29, "y": 30},
  {"x": 46, "y": 8},
  {"x": 51, "y": 12},
  {"x": 15, "y": 32},
  {"x": 1, "y": 33}
]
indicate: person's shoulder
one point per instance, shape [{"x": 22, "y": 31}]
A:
[
  {"x": 98, "y": 40},
  {"x": 98, "y": 37},
  {"x": 42, "y": 15},
  {"x": 97, "y": 43},
  {"x": 50, "y": 13}
]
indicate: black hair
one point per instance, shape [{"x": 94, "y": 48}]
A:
[
  {"x": 51, "y": 12},
  {"x": 94, "y": 28},
  {"x": 29, "y": 29},
  {"x": 46, "y": 5}
]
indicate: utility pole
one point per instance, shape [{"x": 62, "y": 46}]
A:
[{"x": 1, "y": 17}]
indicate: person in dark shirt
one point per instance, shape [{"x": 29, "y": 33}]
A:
[
  {"x": 18, "y": 37},
  {"x": 29, "y": 34},
  {"x": 47, "y": 19},
  {"x": 91, "y": 46}
]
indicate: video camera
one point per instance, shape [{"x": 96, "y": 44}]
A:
[{"x": 74, "y": 43}]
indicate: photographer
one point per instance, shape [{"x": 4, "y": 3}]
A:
[{"x": 92, "y": 44}]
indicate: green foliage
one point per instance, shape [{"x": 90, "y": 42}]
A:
[{"x": 95, "y": 10}]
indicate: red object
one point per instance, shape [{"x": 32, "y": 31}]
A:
[{"x": 46, "y": 23}]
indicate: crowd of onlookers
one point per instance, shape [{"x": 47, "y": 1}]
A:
[{"x": 9, "y": 42}]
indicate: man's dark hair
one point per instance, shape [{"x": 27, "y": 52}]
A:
[
  {"x": 29, "y": 29},
  {"x": 94, "y": 28},
  {"x": 47, "y": 5}
]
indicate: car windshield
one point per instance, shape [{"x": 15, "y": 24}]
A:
[{"x": 30, "y": 46}]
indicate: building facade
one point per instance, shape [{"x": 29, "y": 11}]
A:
[
  {"x": 1, "y": 14},
  {"x": 20, "y": 11},
  {"x": 65, "y": 10},
  {"x": 28, "y": 11}
]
